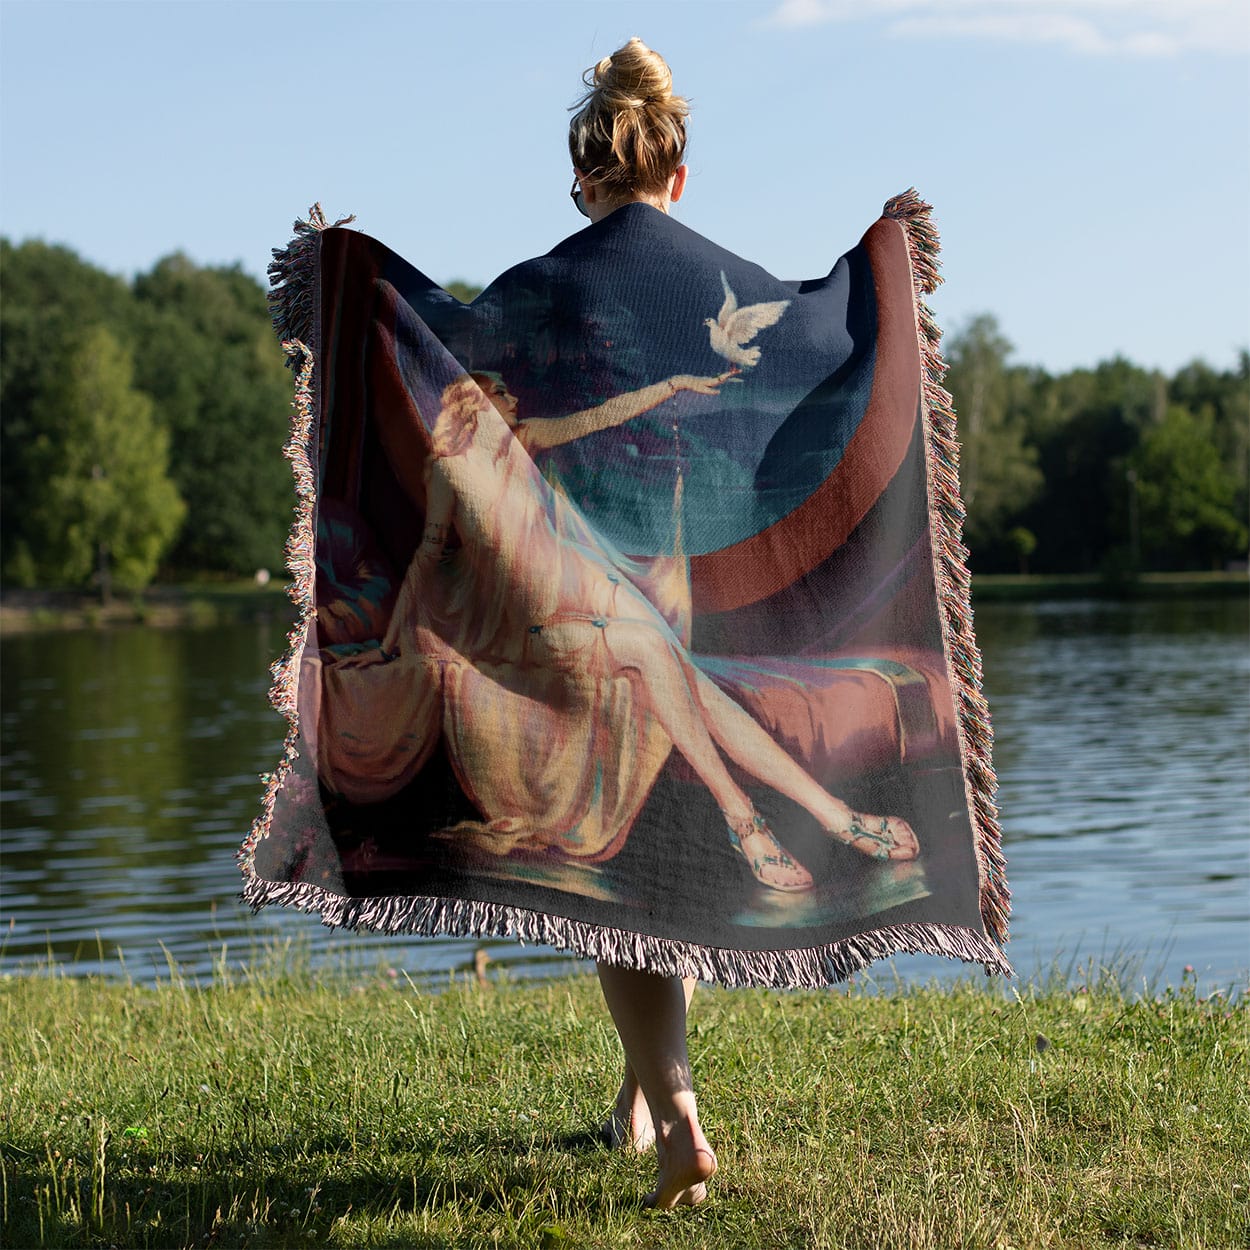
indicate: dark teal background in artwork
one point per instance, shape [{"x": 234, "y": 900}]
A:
[{"x": 747, "y": 456}]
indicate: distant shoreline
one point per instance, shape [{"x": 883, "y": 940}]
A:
[
  {"x": 1006, "y": 587},
  {"x": 200, "y": 605},
  {"x": 176, "y": 605}
]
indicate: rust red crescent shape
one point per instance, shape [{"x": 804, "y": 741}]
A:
[{"x": 793, "y": 546}]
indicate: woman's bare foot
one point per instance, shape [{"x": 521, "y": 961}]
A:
[
  {"x": 686, "y": 1165},
  {"x": 770, "y": 863},
  {"x": 881, "y": 837},
  {"x": 628, "y": 1126}
]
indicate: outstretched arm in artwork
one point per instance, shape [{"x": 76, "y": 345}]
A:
[{"x": 542, "y": 432}]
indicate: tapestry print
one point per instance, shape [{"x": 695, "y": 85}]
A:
[{"x": 635, "y": 619}]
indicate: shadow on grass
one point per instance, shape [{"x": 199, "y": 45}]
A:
[{"x": 262, "y": 1197}]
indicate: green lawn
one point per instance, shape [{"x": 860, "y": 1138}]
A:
[{"x": 287, "y": 1109}]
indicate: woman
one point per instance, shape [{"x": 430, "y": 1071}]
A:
[
  {"x": 515, "y": 610},
  {"x": 627, "y": 143},
  {"x": 620, "y": 627},
  {"x": 551, "y": 669}
]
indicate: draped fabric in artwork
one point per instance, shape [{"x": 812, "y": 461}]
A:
[{"x": 634, "y": 618}]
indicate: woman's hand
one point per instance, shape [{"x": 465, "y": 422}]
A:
[{"x": 700, "y": 386}]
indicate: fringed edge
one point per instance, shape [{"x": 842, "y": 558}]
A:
[
  {"x": 810, "y": 968},
  {"x": 293, "y": 303},
  {"x": 950, "y": 561},
  {"x": 301, "y": 562},
  {"x": 293, "y": 278}
]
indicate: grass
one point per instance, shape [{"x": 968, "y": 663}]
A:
[{"x": 286, "y": 1108}]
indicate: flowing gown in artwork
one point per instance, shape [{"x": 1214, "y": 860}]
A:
[{"x": 524, "y": 612}]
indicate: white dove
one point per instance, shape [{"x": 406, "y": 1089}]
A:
[{"x": 734, "y": 327}]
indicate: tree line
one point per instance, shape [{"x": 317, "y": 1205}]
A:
[
  {"x": 142, "y": 423},
  {"x": 1113, "y": 470}
]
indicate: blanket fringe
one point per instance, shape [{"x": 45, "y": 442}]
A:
[
  {"x": 301, "y": 562},
  {"x": 293, "y": 278},
  {"x": 293, "y": 305},
  {"x": 954, "y": 583},
  {"x": 810, "y": 968}
]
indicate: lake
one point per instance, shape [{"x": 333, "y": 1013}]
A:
[{"x": 131, "y": 760}]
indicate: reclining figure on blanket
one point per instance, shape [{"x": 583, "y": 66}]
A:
[{"x": 508, "y": 596}]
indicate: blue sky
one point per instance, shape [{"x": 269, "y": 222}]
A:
[{"x": 1089, "y": 160}]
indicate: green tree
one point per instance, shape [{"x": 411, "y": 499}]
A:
[
  {"x": 997, "y": 467},
  {"x": 1024, "y": 543},
  {"x": 51, "y": 298},
  {"x": 1086, "y": 426},
  {"x": 208, "y": 357},
  {"x": 105, "y": 507},
  {"x": 1222, "y": 398},
  {"x": 1185, "y": 495}
]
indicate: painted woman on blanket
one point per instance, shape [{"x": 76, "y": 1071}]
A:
[{"x": 532, "y": 593}]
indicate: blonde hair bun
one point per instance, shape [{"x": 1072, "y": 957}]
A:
[
  {"x": 632, "y": 77},
  {"x": 629, "y": 131}
]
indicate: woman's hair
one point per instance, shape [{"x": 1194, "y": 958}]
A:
[
  {"x": 456, "y": 423},
  {"x": 629, "y": 131}
]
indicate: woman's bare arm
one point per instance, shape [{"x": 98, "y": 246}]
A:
[
  {"x": 544, "y": 432},
  {"x": 440, "y": 510}
]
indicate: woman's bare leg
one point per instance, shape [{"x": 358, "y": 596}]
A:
[
  {"x": 650, "y": 1015},
  {"x": 699, "y": 716},
  {"x": 749, "y": 745},
  {"x": 670, "y": 699},
  {"x": 629, "y": 1125}
]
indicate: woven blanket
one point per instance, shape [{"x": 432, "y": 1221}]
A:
[{"x": 634, "y": 618}]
